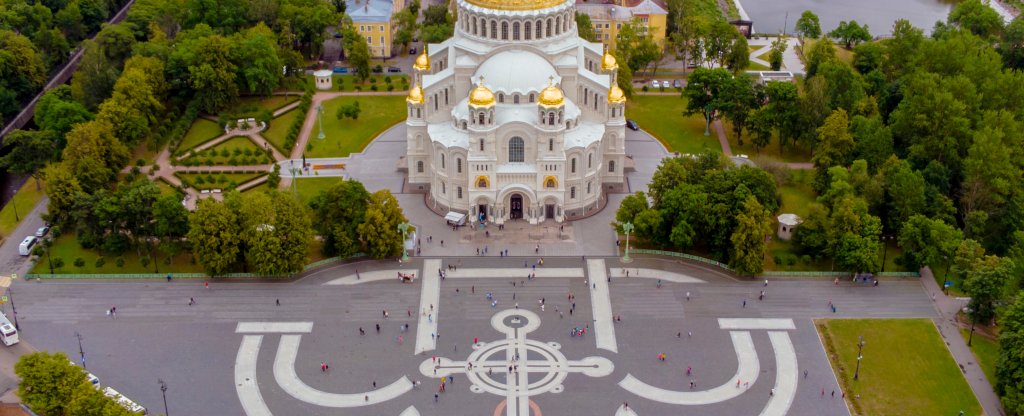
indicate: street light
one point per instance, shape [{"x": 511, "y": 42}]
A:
[
  {"x": 14, "y": 309},
  {"x": 320, "y": 119},
  {"x": 15, "y": 203},
  {"x": 81, "y": 353},
  {"x": 404, "y": 228},
  {"x": 707, "y": 116},
  {"x": 969, "y": 338},
  {"x": 163, "y": 391},
  {"x": 885, "y": 249},
  {"x": 47, "y": 243},
  {"x": 860, "y": 349},
  {"x": 627, "y": 227}
]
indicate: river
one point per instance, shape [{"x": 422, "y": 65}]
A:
[{"x": 769, "y": 16}]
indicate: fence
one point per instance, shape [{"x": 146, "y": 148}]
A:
[
  {"x": 780, "y": 273},
  {"x": 305, "y": 269}
]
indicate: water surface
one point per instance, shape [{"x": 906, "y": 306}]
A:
[{"x": 769, "y": 16}]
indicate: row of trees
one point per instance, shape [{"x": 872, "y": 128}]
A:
[{"x": 53, "y": 386}]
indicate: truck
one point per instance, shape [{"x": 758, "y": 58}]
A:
[{"x": 8, "y": 333}]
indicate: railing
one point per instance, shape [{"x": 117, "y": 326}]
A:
[
  {"x": 305, "y": 269},
  {"x": 773, "y": 273},
  {"x": 681, "y": 255}
]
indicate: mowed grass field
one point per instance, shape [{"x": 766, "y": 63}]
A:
[
  {"x": 347, "y": 136},
  {"x": 905, "y": 370},
  {"x": 662, "y": 117}
]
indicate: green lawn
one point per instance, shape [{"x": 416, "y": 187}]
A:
[
  {"x": 253, "y": 104},
  {"x": 842, "y": 53},
  {"x": 797, "y": 193},
  {"x": 348, "y": 82},
  {"x": 906, "y": 369},
  {"x": 165, "y": 187},
  {"x": 23, "y": 202},
  {"x": 242, "y": 150},
  {"x": 202, "y": 131},
  {"x": 67, "y": 249},
  {"x": 307, "y": 188},
  {"x": 662, "y": 117},
  {"x": 790, "y": 260},
  {"x": 792, "y": 153},
  {"x": 275, "y": 134},
  {"x": 216, "y": 180},
  {"x": 346, "y": 136},
  {"x": 986, "y": 350}
]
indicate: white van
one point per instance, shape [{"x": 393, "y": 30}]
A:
[
  {"x": 26, "y": 245},
  {"x": 8, "y": 333}
]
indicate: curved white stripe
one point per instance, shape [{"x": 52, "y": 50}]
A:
[
  {"x": 624, "y": 411},
  {"x": 288, "y": 379},
  {"x": 785, "y": 375},
  {"x": 245, "y": 377},
  {"x": 410, "y": 411},
  {"x": 747, "y": 371}
]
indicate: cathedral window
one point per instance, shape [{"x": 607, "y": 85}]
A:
[
  {"x": 481, "y": 145},
  {"x": 443, "y": 188},
  {"x": 474, "y": 25},
  {"x": 419, "y": 166},
  {"x": 551, "y": 145},
  {"x": 547, "y": 30},
  {"x": 445, "y": 96},
  {"x": 515, "y": 99},
  {"x": 588, "y": 188},
  {"x": 526, "y": 30},
  {"x": 558, "y": 25},
  {"x": 482, "y": 183},
  {"x": 590, "y": 161},
  {"x": 540, "y": 27},
  {"x": 515, "y": 31},
  {"x": 573, "y": 166},
  {"x": 531, "y": 97},
  {"x": 611, "y": 166},
  {"x": 494, "y": 29},
  {"x": 501, "y": 98},
  {"x": 516, "y": 150},
  {"x": 572, "y": 193},
  {"x": 551, "y": 118},
  {"x": 442, "y": 160},
  {"x": 504, "y": 30},
  {"x": 481, "y": 118},
  {"x": 550, "y": 183},
  {"x": 458, "y": 165},
  {"x": 459, "y": 192}
]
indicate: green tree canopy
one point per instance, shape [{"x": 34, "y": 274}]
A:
[
  {"x": 808, "y": 25},
  {"x": 379, "y": 231}
]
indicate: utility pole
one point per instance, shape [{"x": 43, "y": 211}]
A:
[
  {"x": 81, "y": 352},
  {"x": 163, "y": 391}
]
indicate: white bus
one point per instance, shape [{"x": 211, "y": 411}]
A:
[
  {"x": 124, "y": 401},
  {"x": 8, "y": 334}
]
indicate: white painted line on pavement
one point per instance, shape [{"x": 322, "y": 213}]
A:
[
  {"x": 274, "y": 327},
  {"x": 288, "y": 379},
  {"x": 245, "y": 377},
  {"x": 785, "y": 375},
  {"x": 756, "y": 323},
  {"x": 624, "y": 411},
  {"x": 410, "y": 411},
  {"x": 515, "y": 272},
  {"x": 371, "y": 276},
  {"x": 654, "y": 274},
  {"x": 430, "y": 304},
  {"x": 601, "y": 302},
  {"x": 746, "y": 372}
]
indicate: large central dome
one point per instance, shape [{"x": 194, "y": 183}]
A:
[
  {"x": 516, "y": 72},
  {"x": 515, "y": 4}
]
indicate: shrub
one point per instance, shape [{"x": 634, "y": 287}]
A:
[
  {"x": 79, "y": 262},
  {"x": 391, "y": 87},
  {"x": 210, "y": 179},
  {"x": 790, "y": 259},
  {"x": 120, "y": 262},
  {"x": 373, "y": 87},
  {"x": 140, "y": 162},
  {"x": 247, "y": 151},
  {"x": 387, "y": 79},
  {"x": 225, "y": 153},
  {"x": 777, "y": 259},
  {"x": 222, "y": 178},
  {"x": 233, "y": 161},
  {"x": 644, "y": 89},
  {"x": 806, "y": 259},
  {"x": 144, "y": 261},
  {"x": 57, "y": 262},
  {"x": 100, "y": 262},
  {"x": 358, "y": 88},
  {"x": 200, "y": 180}
]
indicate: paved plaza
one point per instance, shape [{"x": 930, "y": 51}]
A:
[{"x": 236, "y": 352}]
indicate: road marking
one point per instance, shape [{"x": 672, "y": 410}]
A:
[
  {"x": 515, "y": 272},
  {"x": 288, "y": 379},
  {"x": 785, "y": 375},
  {"x": 756, "y": 323},
  {"x": 245, "y": 377},
  {"x": 430, "y": 298},
  {"x": 624, "y": 411},
  {"x": 601, "y": 303},
  {"x": 747, "y": 370},
  {"x": 371, "y": 276},
  {"x": 654, "y": 274},
  {"x": 410, "y": 411},
  {"x": 274, "y": 327}
]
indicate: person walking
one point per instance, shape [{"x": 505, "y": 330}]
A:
[
  {"x": 278, "y": 301},
  {"x": 207, "y": 284},
  {"x": 378, "y": 328},
  {"x": 744, "y": 303}
]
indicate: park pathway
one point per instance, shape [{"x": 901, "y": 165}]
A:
[{"x": 948, "y": 307}]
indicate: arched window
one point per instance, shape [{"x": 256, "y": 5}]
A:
[
  {"x": 588, "y": 188},
  {"x": 611, "y": 166},
  {"x": 501, "y": 98},
  {"x": 419, "y": 166},
  {"x": 494, "y": 29},
  {"x": 550, "y": 183},
  {"x": 540, "y": 28},
  {"x": 547, "y": 30},
  {"x": 481, "y": 118},
  {"x": 515, "y": 31},
  {"x": 526, "y": 30},
  {"x": 463, "y": 124},
  {"x": 474, "y": 25},
  {"x": 515, "y": 99},
  {"x": 481, "y": 144},
  {"x": 551, "y": 145},
  {"x": 551, "y": 118},
  {"x": 590, "y": 161},
  {"x": 482, "y": 183},
  {"x": 458, "y": 165},
  {"x": 572, "y": 169},
  {"x": 516, "y": 150},
  {"x": 504, "y": 30},
  {"x": 586, "y": 96},
  {"x": 418, "y": 114},
  {"x": 442, "y": 160},
  {"x": 443, "y": 190},
  {"x": 572, "y": 193},
  {"x": 558, "y": 25},
  {"x": 565, "y": 23},
  {"x": 459, "y": 192},
  {"x": 531, "y": 97}
]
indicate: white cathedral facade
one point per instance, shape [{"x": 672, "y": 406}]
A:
[{"x": 516, "y": 117}]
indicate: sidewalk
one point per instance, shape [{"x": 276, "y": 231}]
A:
[{"x": 947, "y": 306}]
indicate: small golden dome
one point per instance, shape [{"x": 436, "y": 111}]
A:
[
  {"x": 415, "y": 95},
  {"x": 615, "y": 95},
  {"x": 608, "y": 62},
  {"x": 551, "y": 96},
  {"x": 481, "y": 96},
  {"x": 515, "y": 4},
  {"x": 422, "y": 61}
]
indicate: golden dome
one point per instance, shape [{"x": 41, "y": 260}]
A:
[
  {"x": 422, "y": 61},
  {"x": 551, "y": 96},
  {"x": 608, "y": 62},
  {"x": 515, "y": 4},
  {"x": 481, "y": 96},
  {"x": 415, "y": 95},
  {"x": 615, "y": 95}
]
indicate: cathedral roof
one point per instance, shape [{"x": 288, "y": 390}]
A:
[
  {"x": 516, "y": 71},
  {"x": 515, "y": 4},
  {"x": 415, "y": 95},
  {"x": 608, "y": 62},
  {"x": 551, "y": 96},
  {"x": 481, "y": 96},
  {"x": 615, "y": 95},
  {"x": 422, "y": 61}
]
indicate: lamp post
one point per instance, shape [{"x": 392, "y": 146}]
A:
[
  {"x": 47, "y": 243},
  {"x": 945, "y": 278},
  {"x": 707, "y": 116},
  {"x": 969, "y": 338},
  {"x": 15, "y": 204},
  {"x": 860, "y": 349},
  {"x": 404, "y": 228},
  {"x": 627, "y": 227},
  {"x": 294, "y": 172},
  {"x": 885, "y": 249},
  {"x": 163, "y": 391},
  {"x": 81, "y": 352},
  {"x": 320, "y": 120},
  {"x": 14, "y": 309}
]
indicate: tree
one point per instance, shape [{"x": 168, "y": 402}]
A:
[
  {"x": 62, "y": 187},
  {"x": 277, "y": 232},
  {"x": 405, "y": 28},
  {"x": 811, "y": 237},
  {"x": 704, "y": 92},
  {"x": 636, "y": 46},
  {"x": 57, "y": 111},
  {"x": 94, "y": 80},
  {"x": 748, "y": 239},
  {"x": 274, "y": 178},
  {"x": 438, "y": 24},
  {"x": 927, "y": 242},
  {"x": 357, "y": 51},
  {"x": 338, "y": 212},
  {"x": 874, "y": 140},
  {"x": 69, "y": 21},
  {"x": 835, "y": 147},
  {"x": 719, "y": 41},
  {"x": 821, "y": 51},
  {"x": 585, "y": 27},
  {"x": 738, "y": 58},
  {"x": 254, "y": 51},
  {"x": 29, "y": 152},
  {"x": 986, "y": 285},
  {"x": 379, "y": 232},
  {"x": 1012, "y": 46},
  {"x": 349, "y": 110},
  {"x": 808, "y": 26},
  {"x": 631, "y": 207},
  {"x": 170, "y": 218},
  {"x": 1010, "y": 366},
  {"x": 850, "y": 34},
  {"x": 52, "y": 385},
  {"x": 53, "y": 45},
  {"x": 843, "y": 86},
  {"x": 783, "y": 110},
  {"x": 94, "y": 155},
  {"x": 215, "y": 236},
  {"x": 22, "y": 71},
  {"x": 211, "y": 75},
  {"x": 775, "y": 55},
  {"x": 976, "y": 17},
  {"x": 868, "y": 57},
  {"x": 738, "y": 99}
]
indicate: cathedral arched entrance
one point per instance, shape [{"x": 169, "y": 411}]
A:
[{"x": 515, "y": 207}]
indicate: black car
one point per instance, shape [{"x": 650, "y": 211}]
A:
[
  {"x": 394, "y": 69},
  {"x": 412, "y": 51},
  {"x": 632, "y": 125}
]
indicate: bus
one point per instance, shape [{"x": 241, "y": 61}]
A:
[
  {"x": 8, "y": 334},
  {"x": 124, "y": 401}
]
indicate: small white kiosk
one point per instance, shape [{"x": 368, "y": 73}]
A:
[
  {"x": 323, "y": 79},
  {"x": 788, "y": 223}
]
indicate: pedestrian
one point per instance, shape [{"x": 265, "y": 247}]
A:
[
  {"x": 168, "y": 277},
  {"x": 475, "y": 340},
  {"x": 833, "y": 393},
  {"x": 191, "y": 301},
  {"x": 442, "y": 243},
  {"x": 366, "y": 398},
  {"x": 687, "y": 295},
  {"x": 805, "y": 373},
  {"x": 771, "y": 393},
  {"x": 744, "y": 303},
  {"x": 278, "y": 302},
  {"x": 765, "y": 282},
  {"x": 408, "y": 312},
  {"x": 374, "y": 383},
  {"x": 472, "y": 289},
  {"x": 323, "y": 367},
  {"x": 435, "y": 397},
  {"x": 689, "y": 334},
  {"x": 378, "y": 328},
  {"x": 361, "y": 332},
  {"x": 207, "y": 284}
]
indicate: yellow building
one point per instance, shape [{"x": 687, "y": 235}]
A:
[
  {"x": 372, "y": 19},
  {"x": 608, "y": 18}
]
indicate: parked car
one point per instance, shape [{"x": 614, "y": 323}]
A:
[
  {"x": 340, "y": 70},
  {"x": 41, "y": 232},
  {"x": 394, "y": 69},
  {"x": 412, "y": 51},
  {"x": 655, "y": 84},
  {"x": 632, "y": 125},
  {"x": 677, "y": 84}
]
